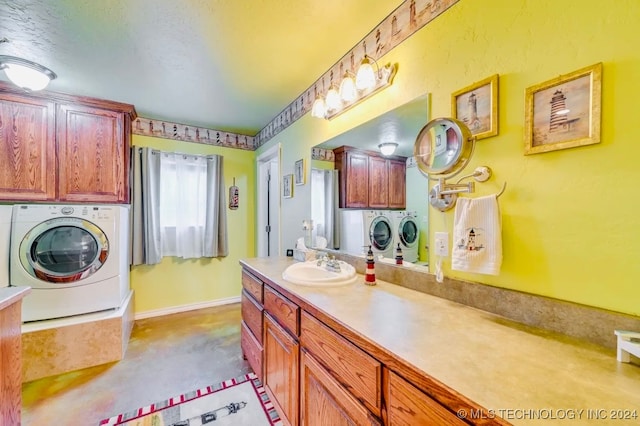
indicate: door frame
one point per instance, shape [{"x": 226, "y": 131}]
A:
[{"x": 263, "y": 162}]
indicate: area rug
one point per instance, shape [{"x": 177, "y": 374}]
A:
[{"x": 234, "y": 402}]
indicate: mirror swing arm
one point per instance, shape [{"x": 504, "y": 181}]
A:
[{"x": 442, "y": 150}]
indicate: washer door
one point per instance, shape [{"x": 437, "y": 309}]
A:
[
  {"x": 380, "y": 233},
  {"x": 64, "y": 250},
  {"x": 408, "y": 231}
]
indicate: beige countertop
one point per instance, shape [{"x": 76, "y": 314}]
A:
[
  {"x": 520, "y": 372},
  {"x": 10, "y": 295}
]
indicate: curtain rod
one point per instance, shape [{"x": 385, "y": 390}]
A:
[{"x": 157, "y": 151}]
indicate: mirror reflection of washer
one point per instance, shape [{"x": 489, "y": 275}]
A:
[
  {"x": 74, "y": 258},
  {"x": 378, "y": 231},
  {"x": 406, "y": 233}
]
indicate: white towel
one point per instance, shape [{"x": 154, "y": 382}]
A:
[{"x": 477, "y": 236}]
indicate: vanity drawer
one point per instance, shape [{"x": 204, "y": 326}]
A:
[
  {"x": 252, "y": 349},
  {"x": 252, "y": 315},
  {"x": 252, "y": 285},
  {"x": 282, "y": 309},
  {"x": 353, "y": 368}
]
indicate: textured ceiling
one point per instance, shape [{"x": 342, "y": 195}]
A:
[{"x": 225, "y": 64}]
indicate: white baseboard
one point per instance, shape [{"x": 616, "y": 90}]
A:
[{"x": 185, "y": 308}]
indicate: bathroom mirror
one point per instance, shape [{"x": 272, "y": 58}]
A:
[{"x": 400, "y": 125}]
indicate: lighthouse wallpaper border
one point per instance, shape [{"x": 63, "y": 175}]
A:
[
  {"x": 477, "y": 106},
  {"x": 564, "y": 112}
]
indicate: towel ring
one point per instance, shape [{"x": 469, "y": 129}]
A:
[{"x": 482, "y": 174}]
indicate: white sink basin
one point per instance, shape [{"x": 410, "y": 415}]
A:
[{"x": 310, "y": 274}]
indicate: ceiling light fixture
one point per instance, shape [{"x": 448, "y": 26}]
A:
[
  {"x": 25, "y": 74},
  {"x": 353, "y": 90},
  {"x": 388, "y": 148}
]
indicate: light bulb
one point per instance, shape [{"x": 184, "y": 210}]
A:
[
  {"x": 366, "y": 77},
  {"x": 318, "y": 109},
  {"x": 348, "y": 91},
  {"x": 333, "y": 99}
]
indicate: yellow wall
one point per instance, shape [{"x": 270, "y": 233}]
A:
[
  {"x": 570, "y": 217},
  {"x": 175, "y": 282}
]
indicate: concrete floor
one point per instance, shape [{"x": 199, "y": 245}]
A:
[{"x": 167, "y": 356}]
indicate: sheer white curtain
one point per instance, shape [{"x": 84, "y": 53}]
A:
[
  {"x": 324, "y": 206},
  {"x": 181, "y": 207}
]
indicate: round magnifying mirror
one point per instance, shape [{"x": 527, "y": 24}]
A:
[{"x": 443, "y": 147}]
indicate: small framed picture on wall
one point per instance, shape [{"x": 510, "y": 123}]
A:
[
  {"x": 564, "y": 112},
  {"x": 287, "y": 186},
  {"x": 477, "y": 107},
  {"x": 298, "y": 171}
]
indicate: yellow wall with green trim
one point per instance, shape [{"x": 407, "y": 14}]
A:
[
  {"x": 570, "y": 217},
  {"x": 176, "y": 282}
]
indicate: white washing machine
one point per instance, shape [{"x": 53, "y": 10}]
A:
[
  {"x": 406, "y": 233},
  {"x": 5, "y": 238},
  {"x": 363, "y": 228},
  {"x": 75, "y": 258}
]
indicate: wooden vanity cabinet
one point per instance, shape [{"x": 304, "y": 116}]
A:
[
  {"x": 323, "y": 401},
  {"x": 251, "y": 332},
  {"x": 370, "y": 180},
  {"x": 63, "y": 148},
  {"x": 408, "y": 406},
  {"x": 281, "y": 354},
  {"x": 337, "y": 379},
  {"x": 318, "y": 373}
]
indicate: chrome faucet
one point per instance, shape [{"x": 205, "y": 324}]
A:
[{"x": 330, "y": 263}]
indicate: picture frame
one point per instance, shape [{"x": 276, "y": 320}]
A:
[
  {"x": 287, "y": 186},
  {"x": 477, "y": 106},
  {"x": 564, "y": 112},
  {"x": 298, "y": 172}
]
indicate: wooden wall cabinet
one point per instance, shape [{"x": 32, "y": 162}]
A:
[
  {"x": 28, "y": 148},
  {"x": 370, "y": 180},
  {"x": 57, "y": 147}
]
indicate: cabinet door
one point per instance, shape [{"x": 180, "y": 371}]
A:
[
  {"x": 281, "y": 369},
  {"x": 324, "y": 402},
  {"x": 397, "y": 184},
  {"x": 408, "y": 405},
  {"x": 378, "y": 182},
  {"x": 27, "y": 153},
  {"x": 354, "y": 180},
  {"x": 93, "y": 155}
]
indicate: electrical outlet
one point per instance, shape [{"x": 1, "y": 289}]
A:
[{"x": 442, "y": 244}]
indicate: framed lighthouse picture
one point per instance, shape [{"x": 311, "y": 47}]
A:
[
  {"x": 564, "y": 112},
  {"x": 477, "y": 107}
]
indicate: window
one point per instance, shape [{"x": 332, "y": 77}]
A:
[
  {"x": 179, "y": 206},
  {"x": 183, "y": 204}
]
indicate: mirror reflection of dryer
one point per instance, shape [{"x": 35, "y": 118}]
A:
[
  {"x": 74, "y": 258},
  {"x": 406, "y": 233}
]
